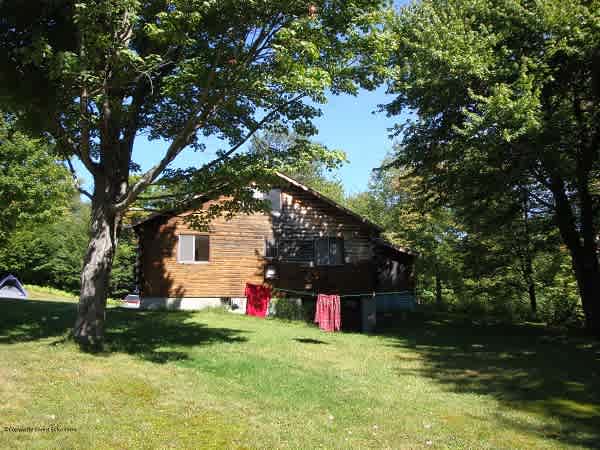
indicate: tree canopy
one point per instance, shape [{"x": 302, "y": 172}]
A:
[
  {"x": 34, "y": 187},
  {"x": 94, "y": 74},
  {"x": 507, "y": 101}
]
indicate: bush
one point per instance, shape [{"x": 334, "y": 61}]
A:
[{"x": 287, "y": 308}]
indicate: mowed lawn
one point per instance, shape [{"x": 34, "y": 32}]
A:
[{"x": 214, "y": 379}]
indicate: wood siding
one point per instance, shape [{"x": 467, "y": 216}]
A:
[
  {"x": 304, "y": 217},
  {"x": 237, "y": 252},
  {"x": 236, "y": 257}
]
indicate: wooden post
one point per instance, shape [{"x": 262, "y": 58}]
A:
[{"x": 368, "y": 308}]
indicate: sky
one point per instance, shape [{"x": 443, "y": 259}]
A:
[
  {"x": 352, "y": 124},
  {"x": 348, "y": 123}
]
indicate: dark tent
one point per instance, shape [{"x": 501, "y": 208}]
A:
[{"x": 11, "y": 287}]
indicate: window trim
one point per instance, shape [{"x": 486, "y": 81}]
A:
[{"x": 180, "y": 261}]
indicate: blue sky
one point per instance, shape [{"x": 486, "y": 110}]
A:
[{"x": 348, "y": 123}]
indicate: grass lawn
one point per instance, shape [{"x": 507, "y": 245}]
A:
[
  {"x": 48, "y": 293},
  {"x": 213, "y": 379}
]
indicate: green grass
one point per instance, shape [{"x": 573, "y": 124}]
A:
[
  {"x": 48, "y": 293},
  {"x": 210, "y": 379}
]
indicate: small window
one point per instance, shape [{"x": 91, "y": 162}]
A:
[
  {"x": 193, "y": 248},
  {"x": 329, "y": 251},
  {"x": 275, "y": 198},
  {"x": 259, "y": 195},
  {"x": 271, "y": 248}
]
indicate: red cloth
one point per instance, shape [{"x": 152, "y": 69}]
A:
[
  {"x": 328, "y": 312},
  {"x": 258, "y": 298}
]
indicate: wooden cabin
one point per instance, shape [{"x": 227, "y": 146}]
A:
[{"x": 307, "y": 243}]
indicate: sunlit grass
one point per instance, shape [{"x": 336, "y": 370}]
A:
[
  {"x": 47, "y": 293},
  {"x": 210, "y": 379}
]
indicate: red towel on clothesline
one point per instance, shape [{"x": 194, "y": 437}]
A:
[
  {"x": 328, "y": 312},
  {"x": 258, "y": 298}
]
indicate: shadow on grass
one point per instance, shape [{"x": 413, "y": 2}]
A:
[
  {"x": 527, "y": 368},
  {"x": 154, "y": 336},
  {"x": 310, "y": 341}
]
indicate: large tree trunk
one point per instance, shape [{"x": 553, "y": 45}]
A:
[
  {"x": 583, "y": 250},
  {"x": 588, "y": 283},
  {"x": 95, "y": 275}
]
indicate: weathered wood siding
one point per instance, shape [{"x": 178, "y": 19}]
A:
[
  {"x": 237, "y": 252},
  {"x": 236, "y": 257},
  {"x": 305, "y": 217}
]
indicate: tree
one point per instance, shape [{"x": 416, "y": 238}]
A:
[
  {"x": 33, "y": 186},
  {"x": 94, "y": 74},
  {"x": 507, "y": 96},
  {"x": 51, "y": 253},
  {"x": 395, "y": 201},
  {"x": 485, "y": 259},
  {"x": 313, "y": 170}
]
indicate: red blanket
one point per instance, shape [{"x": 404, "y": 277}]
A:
[
  {"x": 328, "y": 312},
  {"x": 258, "y": 298}
]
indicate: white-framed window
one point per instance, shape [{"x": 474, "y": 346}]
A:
[{"x": 193, "y": 248}]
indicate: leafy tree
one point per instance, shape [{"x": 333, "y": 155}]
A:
[
  {"x": 496, "y": 261},
  {"x": 33, "y": 186},
  {"x": 314, "y": 169},
  {"x": 394, "y": 201},
  {"x": 51, "y": 253},
  {"x": 94, "y": 74},
  {"x": 507, "y": 96}
]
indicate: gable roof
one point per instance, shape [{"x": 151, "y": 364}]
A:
[
  {"x": 286, "y": 178},
  {"x": 331, "y": 202},
  {"x": 390, "y": 245}
]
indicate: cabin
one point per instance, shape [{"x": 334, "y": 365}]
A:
[{"x": 307, "y": 244}]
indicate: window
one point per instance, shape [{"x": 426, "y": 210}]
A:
[
  {"x": 296, "y": 250},
  {"x": 193, "y": 248},
  {"x": 273, "y": 197},
  {"x": 271, "y": 248},
  {"x": 329, "y": 251}
]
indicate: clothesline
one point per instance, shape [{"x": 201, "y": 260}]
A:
[{"x": 314, "y": 294}]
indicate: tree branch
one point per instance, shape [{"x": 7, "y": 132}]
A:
[
  {"x": 165, "y": 196},
  {"x": 178, "y": 144},
  {"x": 76, "y": 179},
  {"x": 258, "y": 126},
  {"x": 189, "y": 130},
  {"x": 63, "y": 137}
]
